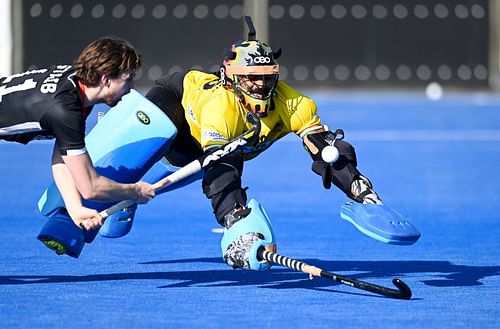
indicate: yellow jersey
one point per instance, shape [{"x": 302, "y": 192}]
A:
[{"x": 214, "y": 116}]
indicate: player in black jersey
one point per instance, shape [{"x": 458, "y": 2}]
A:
[{"x": 54, "y": 102}]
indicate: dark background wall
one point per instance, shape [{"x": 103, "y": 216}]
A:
[
  {"x": 347, "y": 42},
  {"x": 325, "y": 43}
]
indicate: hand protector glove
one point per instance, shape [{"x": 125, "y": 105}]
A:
[
  {"x": 243, "y": 239},
  {"x": 322, "y": 140},
  {"x": 324, "y": 170},
  {"x": 119, "y": 224}
]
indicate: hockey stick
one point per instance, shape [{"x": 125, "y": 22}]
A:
[
  {"x": 403, "y": 291},
  {"x": 196, "y": 165}
]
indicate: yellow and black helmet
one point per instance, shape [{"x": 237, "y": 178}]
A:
[{"x": 251, "y": 68}]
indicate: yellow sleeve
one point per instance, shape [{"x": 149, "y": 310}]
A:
[{"x": 299, "y": 112}]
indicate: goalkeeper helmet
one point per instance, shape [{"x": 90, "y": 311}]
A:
[{"x": 252, "y": 70}]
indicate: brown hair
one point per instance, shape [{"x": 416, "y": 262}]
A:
[{"x": 107, "y": 56}]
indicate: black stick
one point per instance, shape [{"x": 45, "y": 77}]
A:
[{"x": 403, "y": 291}]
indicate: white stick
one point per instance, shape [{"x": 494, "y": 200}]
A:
[{"x": 196, "y": 165}]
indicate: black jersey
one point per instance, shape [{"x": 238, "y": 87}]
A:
[{"x": 43, "y": 103}]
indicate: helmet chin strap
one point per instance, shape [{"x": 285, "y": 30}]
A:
[{"x": 222, "y": 75}]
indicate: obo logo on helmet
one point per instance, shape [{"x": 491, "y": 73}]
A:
[{"x": 262, "y": 60}]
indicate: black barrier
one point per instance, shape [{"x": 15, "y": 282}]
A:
[
  {"x": 325, "y": 43},
  {"x": 172, "y": 35},
  {"x": 383, "y": 42}
]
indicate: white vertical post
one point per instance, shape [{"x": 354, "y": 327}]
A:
[
  {"x": 5, "y": 38},
  {"x": 494, "y": 52},
  {"x": 17, "y": 36}
]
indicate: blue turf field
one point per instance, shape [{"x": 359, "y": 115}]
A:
[{"x": 435, "y": 162}]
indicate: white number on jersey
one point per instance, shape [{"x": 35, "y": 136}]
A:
[{"x": 27, "y": 84}]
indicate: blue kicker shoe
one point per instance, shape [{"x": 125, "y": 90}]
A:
[
  {"x": 257, "y": 221},
  {"x": 380, "y": 222}
]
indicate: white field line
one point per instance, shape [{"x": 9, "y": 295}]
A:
[
  {"x": 427, "y": 135},
  {"x": 419, "y": 135},
  {"x": 401, "y": 135}
]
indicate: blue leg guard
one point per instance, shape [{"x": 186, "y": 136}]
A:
[
  {"x": 62, "y": 235},
  {"x": 123, "y": 146},
  {"x": 119, "y": 224},
  {"x": 256, "y": 221},
  {"x": 380, "y": 222}
]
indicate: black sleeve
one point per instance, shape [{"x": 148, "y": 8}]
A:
[
  {"x": 174, "y": 83},
  {"x": 67, "y": 124}
]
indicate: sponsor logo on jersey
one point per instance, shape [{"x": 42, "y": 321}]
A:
[
  {"x": 143, "y": 117},
  {"x": 191, "y": 113},
  {"x": 212, "y": 135}
]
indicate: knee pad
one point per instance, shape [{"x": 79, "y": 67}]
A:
[
  {"x": 136, "y": 134},
  {"x": 222, "y": 185},
  {"x": 256, "y": 221}
]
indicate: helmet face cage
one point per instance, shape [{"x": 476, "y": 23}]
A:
[
  {"x": 255, "y": 91},
  {"x": 253, "y": 71}
]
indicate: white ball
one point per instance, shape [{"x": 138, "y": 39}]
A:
[
  {"x": 434, "y": 91},
  {"x": 330, "y": 154}
]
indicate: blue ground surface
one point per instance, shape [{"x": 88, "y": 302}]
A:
[{"x": 435, "y": 162}]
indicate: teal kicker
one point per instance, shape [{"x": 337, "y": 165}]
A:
[{"x": 380, "y": 222}]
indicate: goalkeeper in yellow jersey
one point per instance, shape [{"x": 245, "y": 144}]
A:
[{"x": 209, "y": 110}]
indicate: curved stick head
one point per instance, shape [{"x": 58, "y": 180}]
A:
[
  {"x": 252, "y": 118},
  {"x": 405, "y": 292},
  {"x": 255, "y": 121}
]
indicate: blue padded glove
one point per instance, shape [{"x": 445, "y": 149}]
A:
[{"x": 119, "y": 224}]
